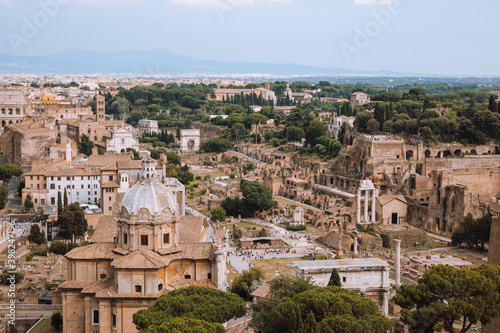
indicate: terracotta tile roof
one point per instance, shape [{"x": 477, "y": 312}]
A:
[
  {"x": 142, "y": 259},
  {"x": 385, "y": 199},
  {"x": 97, "y": 286},
  {"x": 121, "y": 251},
  {"x": 132, "y": 164},
  {"x": 112, "y": 184},
  {"x": 195, "y": 251},
  {"x": 191, "y": 228},
  {"x": 75, "y": 284},
  {"x": 105, "y": 231},
  {"x": 105, "y": 160},
  {"x": 92, "y": 252},
  {"x": 263, "y": 291}
]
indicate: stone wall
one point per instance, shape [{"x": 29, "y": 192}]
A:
[
  {"x": 208, "y": 131},
  {"x": 409, "y": 236}
]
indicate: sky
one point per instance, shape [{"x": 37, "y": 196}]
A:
[{"x": 413, "y": 36}]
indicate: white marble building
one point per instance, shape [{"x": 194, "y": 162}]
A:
[
  {"x": 368, "y": 277},
  {"x": 121, "y": 140},
  {"x": 190, "y": 141},
  {"x": 148, "y": 126},
  {"x": 334, "y": 129}
]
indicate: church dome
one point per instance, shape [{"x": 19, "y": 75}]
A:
[{"x": 149, "y": 193}]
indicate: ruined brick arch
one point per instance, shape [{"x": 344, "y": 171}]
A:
[
  {"x": 409, "y": 154},
  {"x": 457, "y": 152},
  {"x": 427, "y": 153}
]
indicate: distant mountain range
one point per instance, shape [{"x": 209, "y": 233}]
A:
[{"x": 159, "y": 62}]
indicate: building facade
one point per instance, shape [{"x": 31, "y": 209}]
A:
[
  {"x": 14, "y": 106},
  {"x": 155, "y": 249}
]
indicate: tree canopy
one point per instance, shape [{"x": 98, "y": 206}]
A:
[
  {"x": 247, "y": 282},
  {"x": 9, "y": 170},
  {"x": 72, "y": 221},
  {"x": 446, "y": 295},
  {"x": 36, "y": 236},
  {"x": 201, "y": 307},
  {"x": 85, "y": 146},
  {"x": 330, "y": 309}
]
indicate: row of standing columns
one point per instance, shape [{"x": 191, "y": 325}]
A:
[{"x": 368, "y": 217}]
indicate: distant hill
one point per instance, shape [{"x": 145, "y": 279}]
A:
[{"x": 157, "y": 62}]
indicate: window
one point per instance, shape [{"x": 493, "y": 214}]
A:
[
  {"x": 166, "y": 238},
  {"x": 144, "y": 240},
  {"x": 53, "y": 201},
  {"x": 344, "y": 279},
  {"x": 109, "y": 198},
  {"x": 58, "y": 178},
  {"x": 68, "y": 178},
  {"x": 187, "y": 277},
  {"x": 209, "y": 276},
  {"x": 138, "y": 289},
  {"x": 110, "y": 178},
  {"x": 113, "y": 320},
  {"x": 95, "y": 317},
  {"x": 160, "y": 287},
  {"x": 52, "y": 186},
  {"x": 125, "y": 238}
]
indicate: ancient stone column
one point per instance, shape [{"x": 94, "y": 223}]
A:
[
  {"x": 355, "y": 246},
  {"x": 358, "y": 215},
  {"x": 385, "y": 306},
  {"x": 398, "y": 263},
  {"x": 367, "y": 200},
  {"x": 374, "y": 196}
]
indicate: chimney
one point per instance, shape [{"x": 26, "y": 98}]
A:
[{"x": 398, "y": 263}]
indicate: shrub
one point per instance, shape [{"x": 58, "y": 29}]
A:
[
  {"x": 296, "y": 227},
  {"x": 59, "y": 248},
  {"x": 6, "y": 277},
  {"x": 56, "y": 321}
]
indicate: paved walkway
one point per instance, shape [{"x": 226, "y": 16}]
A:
[
  {"x": 336, "y": 191},
  {"x": 298, "y": 203},
  {"x": 441, "y": 238},
  {"x": 295, "y": 241}
]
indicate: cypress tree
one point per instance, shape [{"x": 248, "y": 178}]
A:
[
  {"x": 65, "y": 198},
  {"x": 334, "y": 279},
  {"x": 59, "y": 203},
  {"x": 493, "y": 104}
]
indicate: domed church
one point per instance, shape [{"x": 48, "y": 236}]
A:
[{"x": 149, "y": 249}]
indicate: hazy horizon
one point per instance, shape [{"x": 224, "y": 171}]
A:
[{"x": 440, "y": 38}]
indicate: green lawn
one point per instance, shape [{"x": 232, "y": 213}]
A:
[
  {"x": 247, "y": 225},
  {"x": 44, "y": 327}
]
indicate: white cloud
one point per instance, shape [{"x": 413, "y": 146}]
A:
[
  {"x": 372, "y": 2},
  {"x": 231, "y": 3}
]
